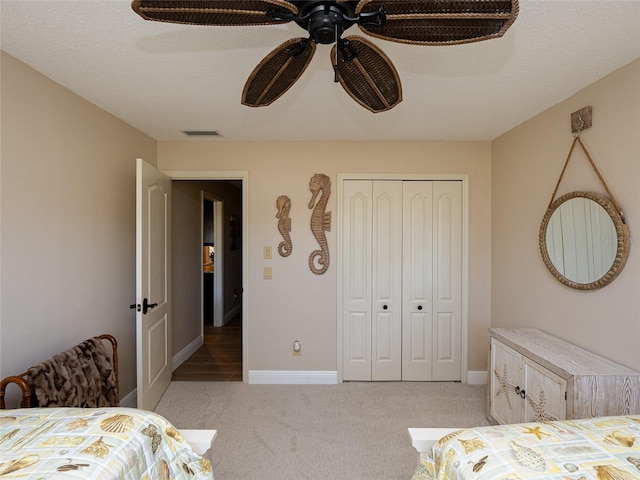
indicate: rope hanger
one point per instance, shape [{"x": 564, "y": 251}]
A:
[{"x": 577, "y": 139}]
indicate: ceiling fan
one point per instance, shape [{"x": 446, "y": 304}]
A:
[{"x": 362, "y": 69}]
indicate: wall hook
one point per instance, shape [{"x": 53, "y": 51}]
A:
[
  {"x": 580, "y": 126},
  {"x": 581, "y": 120}
]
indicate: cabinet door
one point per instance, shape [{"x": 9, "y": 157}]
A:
[
  {"x": 545, "y": 393},
  {"x": 505, "y": 405}
]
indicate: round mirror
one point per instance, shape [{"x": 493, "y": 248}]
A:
[{"x": 584, "y": 240}]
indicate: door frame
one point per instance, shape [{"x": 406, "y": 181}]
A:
[
  {"x": 464, "y": 178},
  {"x": 218, "y": 270},
  {"x": 244, "y": 177}
]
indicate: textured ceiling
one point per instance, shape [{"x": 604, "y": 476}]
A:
[{"x": 164, "y": 78}]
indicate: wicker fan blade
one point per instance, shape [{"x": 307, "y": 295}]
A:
[
  {"x": 435, "y": 22},
  {"x": 213, "y": 12},
  {"x": 277, "y": 72},
  {"x": 369, "y": 77}
]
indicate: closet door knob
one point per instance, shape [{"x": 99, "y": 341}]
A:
[
  {"x": 419, "y": 307},
  {"x": 384, "y": 307}
]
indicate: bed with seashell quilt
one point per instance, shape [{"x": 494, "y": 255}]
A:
[
  {"x": 602, "y": 448},
  {"x": 104, "y": 443}
]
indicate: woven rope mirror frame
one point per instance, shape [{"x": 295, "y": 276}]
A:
[{"x": 622, "y": 241}]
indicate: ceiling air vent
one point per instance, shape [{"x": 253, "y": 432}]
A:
[{"x": 201, "y": 133}]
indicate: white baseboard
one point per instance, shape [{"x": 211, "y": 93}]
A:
[
  {"x": 130, "y": 400},
  {"x": 232, "y": 313},
  {"x": 308, "y": 377},
  {"x": 477, "y": 378},
  {"x": 293, "y": 377},
  {"x": 180, "y": 357}
]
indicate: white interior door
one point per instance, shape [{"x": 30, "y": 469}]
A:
[
  {"x": 417, "y": 274},
  {"x": 386, "y": 331},
  {"x": 357, "y": 214},
  {"x": 153, "y": 269},
  {"x": 447, "y": 281}
]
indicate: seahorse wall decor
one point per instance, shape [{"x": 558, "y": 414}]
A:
[
  {"x": 320, "y": 222},
  {"x": 283, "y": 204}
]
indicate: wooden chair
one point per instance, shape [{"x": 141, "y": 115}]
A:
[{"x": 27, "y": 390}]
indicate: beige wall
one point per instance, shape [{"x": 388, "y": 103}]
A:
[
  {"x": 67, "y": 215},
  {"x": 526, "y": 165},
  {"x": 297, "y": 304},
  {"x": 67, "y": 222}
]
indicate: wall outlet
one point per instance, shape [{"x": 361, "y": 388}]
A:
[
  {"x": 268, "y": 273},
  {"x": 297, "y": 348},
  {"x": 266, "y": 253}
]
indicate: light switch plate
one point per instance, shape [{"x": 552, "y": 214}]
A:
[
  {"x": 267, "y": 253},
  {"x": 267, "y": 273}
]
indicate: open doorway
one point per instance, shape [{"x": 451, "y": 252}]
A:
[{"x": 208, "y": 277}]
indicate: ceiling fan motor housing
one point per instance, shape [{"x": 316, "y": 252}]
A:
[{"x": 326, "y": 21}]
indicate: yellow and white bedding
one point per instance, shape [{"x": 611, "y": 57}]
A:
[
  {"x": 103, "y": 443},
  {"x": 605, "y": 448}
]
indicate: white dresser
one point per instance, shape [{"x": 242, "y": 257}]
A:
[{"x": 534, "y": 376}]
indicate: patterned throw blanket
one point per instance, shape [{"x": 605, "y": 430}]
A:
[
  {"x": 85, "y": 443},
  {"x": 82, "y": 376},
  {"x": 599, "y": 448}
]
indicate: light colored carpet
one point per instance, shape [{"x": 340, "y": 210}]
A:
[{"x": 349, "y": 431}]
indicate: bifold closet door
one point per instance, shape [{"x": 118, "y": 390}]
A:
[
  {"x": 432, "y": 281},
  {"x": 372, "y": 280},
  {"x": 447, "y": 281},
  {"x": 417, "y": 316},
  {"x": 356, "y": 279},
  {"x": 386, "y": 328},
  {"x": 402, "y": 280}
]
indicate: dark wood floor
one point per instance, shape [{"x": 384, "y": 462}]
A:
[{"x": 219, "y": 359}]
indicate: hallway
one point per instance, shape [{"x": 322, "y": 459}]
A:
[{"x": 219, "y": 359}]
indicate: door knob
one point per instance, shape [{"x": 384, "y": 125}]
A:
[{"x": 146, "y": 306}]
